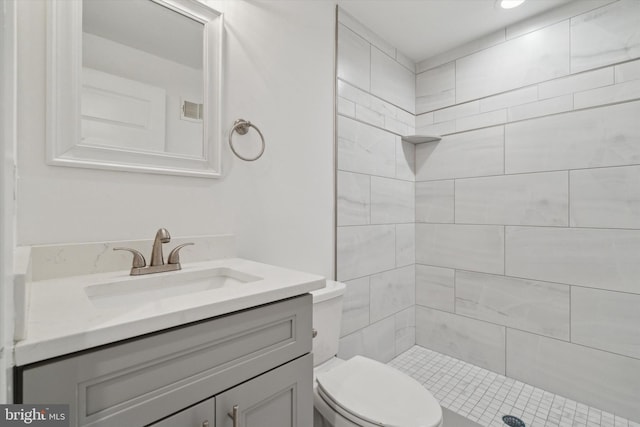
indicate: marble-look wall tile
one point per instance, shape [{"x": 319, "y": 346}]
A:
[
  {"x": 405, "y": 159},
  {"x": 365, "y": 149},
  {"x": 509, "y": 99},
  {"x": 405, "y": 330},
  {"x": 443, "y": 128},
  {"x": 538, "y": 307},
  {"x": 545, "y": 107},
  {"x": 346, "y": 107},
  {"x": 405, "y": 244},
  {"x": 606, "y": 197},
  {"x": 469, "y": 247},
  {"x": 405, "y": 61},
  {"x": 397, "y": 127},
  {"x": 353, "y": 199},
  {"x": 352, "y": 93},
  {"x": 355, "y": 308},
  {"x": 599, "y": 258},
  {"x": 576, "y": 83},
  {"x": 474, "y": 341},
  {"x": 475, "y": 45},
  {"x": 560, "y": 13},
  {"x": 606, "y": 320},
  {"x": 457, "y": 111},
  {"x": 582, "y": 139},
  {"x": 354, "y": 58},
  {"x": 365, "y": 250},
  {"x": 425, "y": 119},
  {"x": 355, "y": 102},
  {"x": 527, "y": 199},
  {"x": 357, "y": 27},
  {"x": 392, "y": 82},
  {"x": 367, "y": 115},
  {"x": 482, "y": 120},
  {"x": 515, "y": 63},
  {"x": 595, "y": 377},
  {"x": 468, "y": 154},
  {"x": 392, "y": 201},
  {"x": 436, "y": 88},
  {"x": 377, "y": 341},
  {"x": 435, "y": 287},
  {"x": 434, "y": 201},
  {"x": 605, "y": 36},
  {"x": 626, "y": 91},
  {"x": 392, "y": 291},
  {"x": 627, "y": 71}
]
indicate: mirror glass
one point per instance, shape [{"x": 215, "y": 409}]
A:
[
  {"x": 134, "y": 85},
  {"x": 142, "y": 77}
]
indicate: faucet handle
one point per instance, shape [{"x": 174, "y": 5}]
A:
[
  {"x": 138, "y": 258},
  {"x": 174, "y": 255}
]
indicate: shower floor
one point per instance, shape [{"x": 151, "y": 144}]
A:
[{"x": 484, "y": 396}]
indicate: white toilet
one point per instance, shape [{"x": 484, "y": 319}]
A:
[{"x": 361, "y": 392}]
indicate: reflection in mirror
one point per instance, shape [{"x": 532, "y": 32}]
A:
[
  {"x": 142, "y": 77},
  {"x": 134, "y": 85}
]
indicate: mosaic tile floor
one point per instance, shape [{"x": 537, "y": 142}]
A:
[{"x": 484, "y": 396}]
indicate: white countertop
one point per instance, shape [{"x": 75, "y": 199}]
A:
[{"x": 62, "y": 319}]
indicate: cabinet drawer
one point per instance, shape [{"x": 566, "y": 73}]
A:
[{"x": 142, "y": 380}]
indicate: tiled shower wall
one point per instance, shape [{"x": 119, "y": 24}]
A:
[
  {"x": 528, "y": 210},
  {"x": 376, "y": 201}
]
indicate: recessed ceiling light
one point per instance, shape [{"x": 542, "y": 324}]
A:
[{"x": 510, "y": 4}]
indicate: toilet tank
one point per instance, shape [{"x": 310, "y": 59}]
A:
[{"x": 327, "y": 314}]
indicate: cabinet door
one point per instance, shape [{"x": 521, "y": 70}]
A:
[
  {"x": 282, "y": 397},
  {"x": 200, "y": 415}
]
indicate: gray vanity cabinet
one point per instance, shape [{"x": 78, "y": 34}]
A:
[
  {"x": 258, "y": 359},
  {"x": 272, "y": 399}
]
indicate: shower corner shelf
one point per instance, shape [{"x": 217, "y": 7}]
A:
[{"x": 419, "y": 139}]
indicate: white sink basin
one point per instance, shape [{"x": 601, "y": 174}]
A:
[{"x": 140, "y": 290}]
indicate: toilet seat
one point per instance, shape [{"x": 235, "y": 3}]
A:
[{"x": 370, "y": 393}]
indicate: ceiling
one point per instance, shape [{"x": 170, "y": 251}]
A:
[{"x": 424, "y": 28}]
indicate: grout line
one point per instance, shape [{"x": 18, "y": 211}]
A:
[
  {"x": 630, "y": 165},
  {"x": 355, "y": 119},
  {"x": 521, "y": 87},
  {"x": 568, "y": 199},
  {"x": 504, "y": 251},
  {"x": 593, "y": 107},
  {"x": 531, "y": 279},
  {"x": 376, "y": 273},
  {"x": 570, "y": 314},
  {"x": 532, "y": 333},
  {"x": 551, "y": 227}
]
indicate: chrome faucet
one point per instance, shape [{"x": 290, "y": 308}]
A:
[{"x": 139, "y": 265}]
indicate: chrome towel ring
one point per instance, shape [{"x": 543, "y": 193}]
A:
[{"x": 242, "y": 127}]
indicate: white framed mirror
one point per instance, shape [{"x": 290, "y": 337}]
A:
[{"x": 134, "y": 85}]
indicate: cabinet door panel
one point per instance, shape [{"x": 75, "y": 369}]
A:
[
  {"x": 280, "y": 398},
  {"x": 200, "y": 415}
]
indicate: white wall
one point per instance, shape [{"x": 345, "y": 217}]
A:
[
  {"x": 279, "y": 58},
  {"x": 7, "y": 186},
  {"x": 528, "y": 234},
  {"x": 278, "y": 74}
]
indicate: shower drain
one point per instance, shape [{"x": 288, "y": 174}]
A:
[{"x": 512, "y": 421}]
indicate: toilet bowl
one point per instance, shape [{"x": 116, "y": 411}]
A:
[{"x": 361, "y": 392}]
